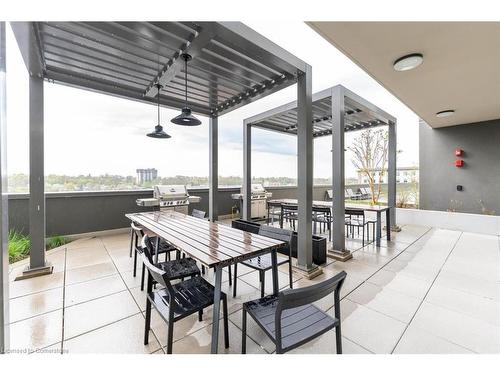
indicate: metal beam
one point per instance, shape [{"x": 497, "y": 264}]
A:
[
  {"x": 338, "y": 175},
  {"x": 193, "y": 46},
  {"x": 213, "y": 168},
  {"x": 4, "y": 217},
  {"x": 305, "y": 170},
  {"x": 391, "y": 174},
  {"x": 247, "y": 171},
  {"x": 29, "y": 45}
]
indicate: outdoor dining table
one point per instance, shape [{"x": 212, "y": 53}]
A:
[
  {"x": 214, "y": 245},
  {"x": 355, "y": 206}
]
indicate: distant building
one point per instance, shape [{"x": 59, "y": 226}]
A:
[
  {"x": 404, "y": 175},
  {"x": 145, "y": 175}
]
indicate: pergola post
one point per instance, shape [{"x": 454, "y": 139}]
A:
[
  {"x": 26, "y": 39},
  {"x": 338, "y": 175},
  {"x": 391, "y": 176},
  {"x": 247, "y": 171},
  {"x": 213, "y": 174},
  {"x": 305, "y": 170},
  {"x": 4, "y": 253}
]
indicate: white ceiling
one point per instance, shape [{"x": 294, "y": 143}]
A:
[{"x": 461, "y": 68}]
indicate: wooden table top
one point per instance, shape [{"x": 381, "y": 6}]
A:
[
  {"x": 210, "y": 243},
  {"x": 354, "y": 206}
]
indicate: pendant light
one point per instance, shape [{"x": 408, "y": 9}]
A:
[
  {"x": 158, "y": 132},
  {"x": 186, "y": 118}
]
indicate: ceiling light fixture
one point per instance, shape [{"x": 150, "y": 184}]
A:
[
  {"x": 186, "y": 118},
  {"x": 445, "y": 113},
  {"x": 158, "y": 132},
  {"x": 408, "y": 62}
]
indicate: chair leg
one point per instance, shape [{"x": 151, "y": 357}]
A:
[
  {"x": 142, "y": 276},
  {"x": 147, "y": 324},
  {"x": 235, "y": 279},
  {"x": 244, "y": 332},
  {"x": 226, "y": 324},
  {"x": 290, "y": 274},
  {"x": 202, "y": 269},
  {"x": 135, "y": 263},
  {"x": 170, "y": 338},
  {"x": 131, "y": 241},
  {"x": 262, "y": 283},
  {"x": 363, "y": 233},
  {"x": 338, "y": 337},
  {"x": 230, "y": 277},
  {"x": 200, "y": 315}
]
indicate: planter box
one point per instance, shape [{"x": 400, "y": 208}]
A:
[{"x": 319, "y": 243}]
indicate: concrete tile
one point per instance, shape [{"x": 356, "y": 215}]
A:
[
  {"x": 418, "y": 341},
  {"x": 82, "y": 292},
  {"x": 123, "y": 337},
  {"x": 85, "y": 317},
  {"x": 460, "y": 329},
  {"x": 87, "y": 273},
  {"x": 37, "y": 332},
  {"x": 374, "y": 331},
  {"x": 35, "y": 304},
  {"x": 386, "y": 301},
  {"x": 36, "y": 284}
]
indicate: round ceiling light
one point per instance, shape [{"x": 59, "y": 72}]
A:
[
  {"x": 445, "y": 113},
  {"x": 408, "y": 62}
]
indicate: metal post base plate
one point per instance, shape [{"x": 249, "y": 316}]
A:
[
  {"x": 308, "y": 272},
  {"x": 394, "y": 228},
  {"x": 341, "y": 256},
  {"x": 28, "y": 273}
]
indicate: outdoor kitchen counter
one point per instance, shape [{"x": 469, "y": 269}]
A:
[
  {"x": 212, "y": 244},
  {"x": 353, "y": 206}
]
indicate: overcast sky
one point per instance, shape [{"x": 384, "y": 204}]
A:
[{"x": 92, "y": 133}]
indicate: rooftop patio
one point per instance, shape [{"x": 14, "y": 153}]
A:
[{"x": 420, "y": 293}]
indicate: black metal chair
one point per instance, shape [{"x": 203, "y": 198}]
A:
[
  {"x": 291, "y": 320},
  {"x": 273, "y": 212},
  {"x": 263, "y": 263},
  {"x": 179, "y": 267},
  {"x": 289, "y": 214},
  {"x": 178, "y": 301},
  {"x": 356, "y": 219},
  {"x": 323, "y": 216},
  {"x": 198, "y": 213}
]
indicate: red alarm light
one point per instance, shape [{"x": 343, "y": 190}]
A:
[
  {"x": 459, "y": 163},
  {"x": 458, "y": 152}
]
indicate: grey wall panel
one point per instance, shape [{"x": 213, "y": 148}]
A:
[
  {"x": 480, "y": 175},
  {"x": 82, "y": 212}
]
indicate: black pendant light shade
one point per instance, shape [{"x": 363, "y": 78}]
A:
[
  {"x": 186, "y": 118},
  {"x": 158, "y": 132}
]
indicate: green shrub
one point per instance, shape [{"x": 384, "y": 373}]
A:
[
  {"x": 19, "y": 246},
  {"x": 56, "y": 241}
]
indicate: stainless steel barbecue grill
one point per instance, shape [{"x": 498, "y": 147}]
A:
[
  {"x": 258, "y": 197},
  {"x": 169, "y": 197}
]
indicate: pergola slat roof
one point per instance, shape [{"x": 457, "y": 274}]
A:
[
  {"x": 232, "y": 65},
  {"x": 359, "y": 114}
]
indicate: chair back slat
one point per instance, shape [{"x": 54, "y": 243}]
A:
[
  {"x": 137, "y": 229},
  {"x": 198, "y": 213},
  {"x": 291, "y": 298},
  {"x": 354, "y": 212},
  {"x": 321, "y": 209},
  {"x": 289, "y": 207},
  {"x": 280, "y": 234},
  {"x": 147, "y": 258}
]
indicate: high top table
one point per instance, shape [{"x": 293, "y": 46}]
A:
[
  {"x": 355, "y": 206},
  {"x": 212, "y": 244}
]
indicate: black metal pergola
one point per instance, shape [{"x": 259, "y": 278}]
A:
[
  {"x": 232, "y": 65},
  {"x": 335, "y": 111}
]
